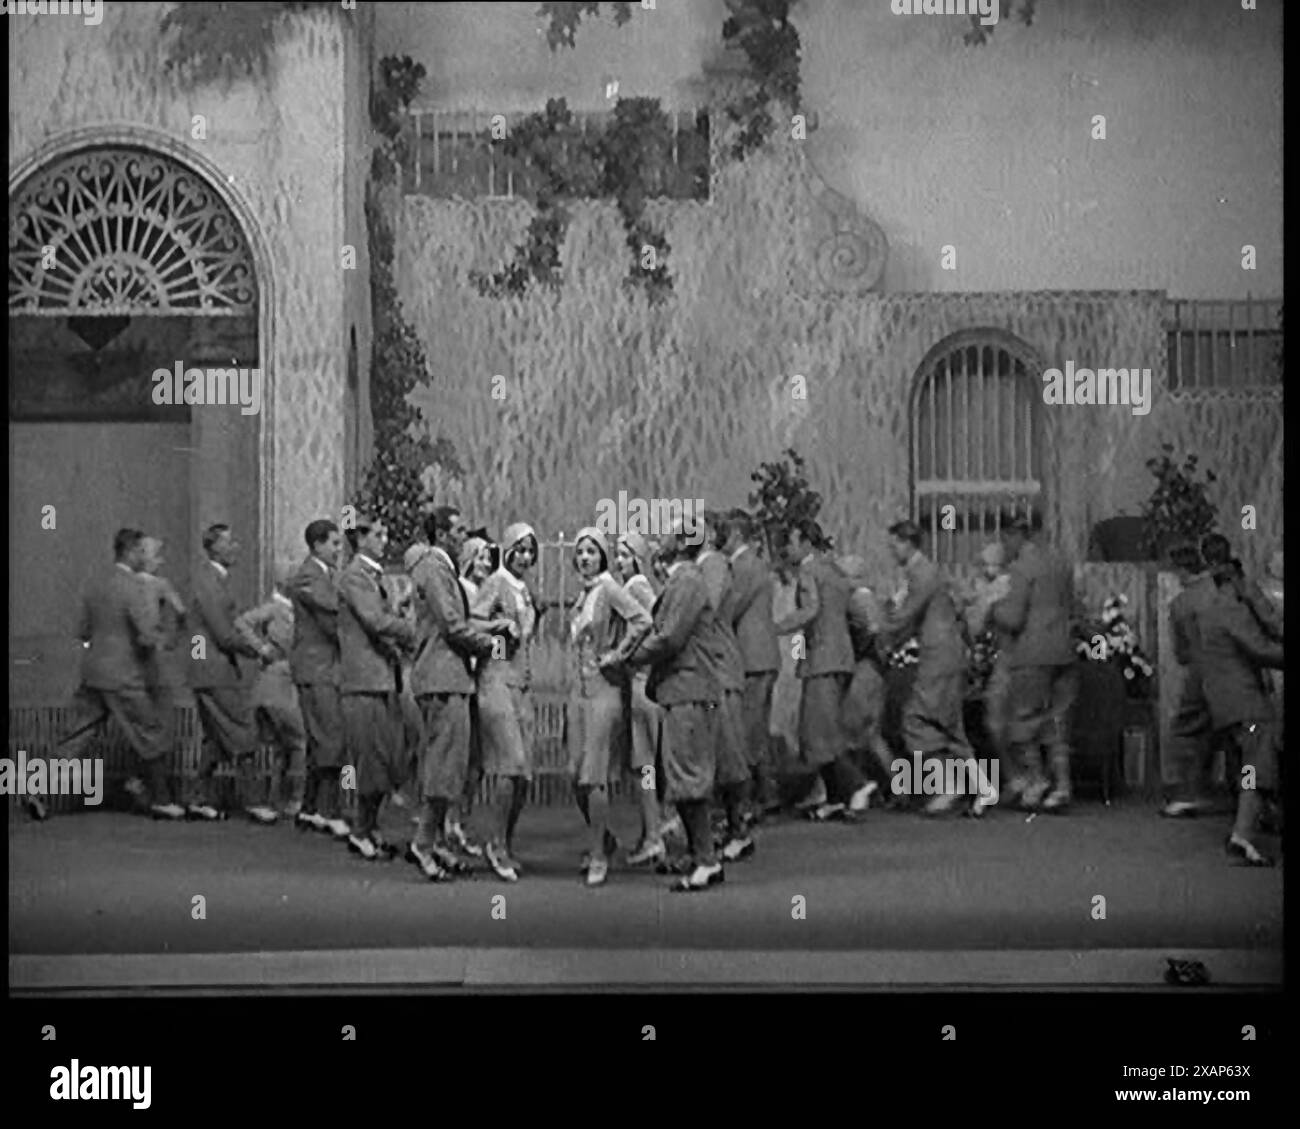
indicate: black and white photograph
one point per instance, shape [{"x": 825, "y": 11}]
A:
[{"x": 536, "y": 499}]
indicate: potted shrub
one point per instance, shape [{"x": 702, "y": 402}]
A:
[{"x": 1179, "y": 508}]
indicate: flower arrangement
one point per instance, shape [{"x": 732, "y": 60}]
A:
[
  {"x": 1113, "y": 639},
  {"x": 904, "y": 655},
  {"x": 981, "y": 655}
]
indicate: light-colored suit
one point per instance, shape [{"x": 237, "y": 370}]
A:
[
  {"x": 441, "y": 677},
  {"x": 314, "y": 661},
  {"x": 120, "y": 628},
  {"x": 1044, "y": 667},
  {"x": 220, "y": 690},
  {"x": 932, "y": 718},
  {"x": 275, "y": 698},
  {"x": 749, "y": 607}
]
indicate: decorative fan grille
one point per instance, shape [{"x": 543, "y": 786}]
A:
[{"x": 121, "y": 232}]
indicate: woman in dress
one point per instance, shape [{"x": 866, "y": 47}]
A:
[
  {"x": 600, "y": 644},
  {"x": 505, "y": 709},
  {"x": 478, "y": 560},
  {"x": 632, "y": 554}
]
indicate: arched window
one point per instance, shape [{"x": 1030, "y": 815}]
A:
[{"x": 976, "y": 440}]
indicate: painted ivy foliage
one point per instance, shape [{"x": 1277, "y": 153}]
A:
[
  {"x": 563, "y": 16},
  {"x": 209, "y": 41},
  {"x": 979, "y": 34},
  {"x": 763, "y": 31},
  {"x": 393, "y": 487},
  {"x": 783, "y": 498},
  {"x": 390, "y": 97},
  {"x": 572, "y": 164}
]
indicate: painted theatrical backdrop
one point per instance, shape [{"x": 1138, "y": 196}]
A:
[{"x": 935, "y": 242}]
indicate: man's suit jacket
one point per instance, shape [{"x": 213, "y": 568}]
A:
[
  {"x": 721, "y": 650},
  {"x": 1185, "y": 629},
  {"x": 314, "y": 656},
  {"x": 929, "y": 614},
  {"x": 212, "y": 615},
  {"x": 1036, "y": 612},
  {"x": 273, "y": 623},
  {"x": 679, "y": 670},
  {"x": 369, "y": 634},
  {"x": 1234, "y": 651},
  {"x": 447, "y": 637},
  {"x": 750, "y": 609},
  {"x": 828, "y": 647},
  {"x": 119, "y": 621}
]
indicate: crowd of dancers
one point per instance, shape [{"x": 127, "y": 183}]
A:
[{"x": 418, "y": 684}]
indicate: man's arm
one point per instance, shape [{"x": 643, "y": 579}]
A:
[
  {"x": 746, "y": 584},
  {"x": 252, "y": 624},
  {"x": 1251, "y": 640},
  {"x": 679, "y": 611},
  {"x": 1264, "y": 612},
  {"x": 218, "y": 623},
  {"x": 367, "y": 605},
  {"x": 1011, "y": 612},
  {"x": 922, "y": 585},
  {"x": 807, "y": 604},
  {"x": 142, "y": 608},
  {"x": 442, "y": 592},
  {"x": 316, "y": 592}
]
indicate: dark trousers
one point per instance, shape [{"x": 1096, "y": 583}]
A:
[
  {"x": 135, "y": 711},
  {"x": 229, "y": 737}
]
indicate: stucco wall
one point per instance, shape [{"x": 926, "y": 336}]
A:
[
  {"x": 278, "y": 146},
  {"x": 985, "y": 148},
  {"x": 602, "y": 393}
]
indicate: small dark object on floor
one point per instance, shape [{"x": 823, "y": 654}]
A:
[{"x": 1191, "y": 972}]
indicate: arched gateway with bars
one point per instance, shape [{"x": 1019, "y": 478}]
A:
[
  {"x": 122, "y": 260},
  {"x": 976, "y": 440}
]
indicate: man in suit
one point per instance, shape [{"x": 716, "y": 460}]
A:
[
  {"x": 933, "y": 725},
  {"x": 1190, "y": 726},
  {"x": 722, "y": 652},
  {"x": 1043, "y": 665},
  {"x": 276, "y": 710},
  {"x": 220, "y": 689},
  {"x": 370, "y": 636},
  {"x": 443, "y": 686},
  {"x": 314, "y": 666},
  {"x": 120, "y": 631},
  {"x": 750, "y": 609},
  {"x": 1235, "y": 651},
  {"x": 820, "y": 623},
  {"x": 684, "y": 684}
]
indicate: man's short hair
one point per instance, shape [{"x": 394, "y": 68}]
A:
[
  {"x": 319, "y": 530},
  {"x": 213, "y": 534},
  {"x": 1186, "y": 557},
  {"x": 907, "y": 531},
  {"x": 439, "y": 521},
  {"x": 126, "y": 541},
  {"x": 1216, "y": 549}
]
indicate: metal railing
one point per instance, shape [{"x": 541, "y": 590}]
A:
[
  {"x": 1224, "y": 344},
  {"x": 453, "y": 154}
]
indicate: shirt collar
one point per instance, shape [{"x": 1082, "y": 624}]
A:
[
  {"x": 739, "y": 551},
  {"x": 280, "y": 597},
  {"x": 914, "y": 558},
  {"x": 221, "y": 569},
  {"x": 126, "y": 568},
  {"x": 325, "y": 568},
  {"x": 672, "y": 568},
  {"x": 366, "y": 560}
]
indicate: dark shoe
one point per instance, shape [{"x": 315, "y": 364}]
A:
[
  {"x": 429, "y": 866},
  {"x": 387, "y": 851},
  {"x": 1246, "y": 851},
  {"x": 448, "y": 859},
  {"x": 701, "y": 878},
  {"x": 670, "y": 865}
]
